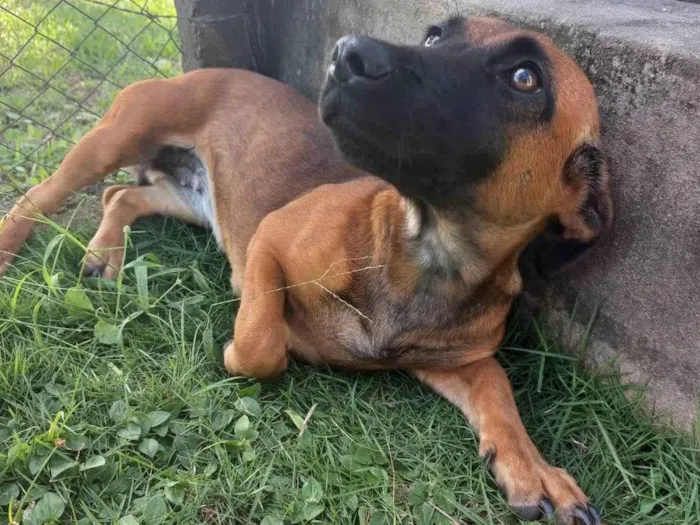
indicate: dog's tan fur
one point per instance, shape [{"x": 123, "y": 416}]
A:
[{"x": 289, "y": 211}]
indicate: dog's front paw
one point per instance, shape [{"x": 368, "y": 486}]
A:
[
  {"x": 535, "y": 489},
  {"x": 256, "y": 363},
  {"x": 230, "y": 362}
]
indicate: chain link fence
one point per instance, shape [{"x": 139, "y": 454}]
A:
[{"x": 61, "y": 64}]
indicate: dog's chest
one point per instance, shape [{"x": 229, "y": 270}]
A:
[
  {"x": 379, "y": 326},
  {"x": 430, "y": 312}
]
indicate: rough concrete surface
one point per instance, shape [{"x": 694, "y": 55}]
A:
[
  {"x": 217, "y": 33},
  {"x": 644, "y": 59}
]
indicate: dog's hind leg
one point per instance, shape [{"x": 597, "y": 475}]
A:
[
  {"x": 122, "y": 206},
  {"x": 133, "y": 130},
  {"x": 534, "y": 488},
  {"x": 103, "y": 150}
]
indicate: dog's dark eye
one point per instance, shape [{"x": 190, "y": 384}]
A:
[
  {"x": 524, "y": 79},
  {"x": 434, "y": 34}
]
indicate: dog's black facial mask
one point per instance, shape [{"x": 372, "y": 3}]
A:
[{"x": 434, "y": 119}]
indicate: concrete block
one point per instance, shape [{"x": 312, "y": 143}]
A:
[{"x": 222, "y": 33}]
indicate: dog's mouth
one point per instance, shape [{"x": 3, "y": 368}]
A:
[
  {"x": 330, "y": 102},
  {"x": 338, "y": 108}
]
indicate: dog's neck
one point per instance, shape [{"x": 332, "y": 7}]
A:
[
  {"x": 461, "y": 242},
  {"x": 438, "y": 244}
]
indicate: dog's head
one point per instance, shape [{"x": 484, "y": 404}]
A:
[{"x": 482, "y": 116}]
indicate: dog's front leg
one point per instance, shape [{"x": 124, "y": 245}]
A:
[
  {"x": 258, "y": 348},
  {"x": 534, "y": 488}
]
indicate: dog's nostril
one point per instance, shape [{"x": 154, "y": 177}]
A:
[
  {"x": 359, "y": 58},
  {"x": 356, "y": 65}
]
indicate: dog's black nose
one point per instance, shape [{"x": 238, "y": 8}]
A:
[{"x": 359, "y": 57}]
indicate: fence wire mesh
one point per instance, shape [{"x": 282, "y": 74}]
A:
[{"x": 61, "y": 64}]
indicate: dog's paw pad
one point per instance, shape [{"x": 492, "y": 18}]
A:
[
  {"x": 527, "y": 512},
  {"x": 535, "y": 512}
]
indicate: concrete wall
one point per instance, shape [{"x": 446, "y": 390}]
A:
[
  {"x": 644, "y": 59},
  {"x": 223, "y": 33}
]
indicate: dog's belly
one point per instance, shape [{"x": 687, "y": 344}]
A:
[{"x": 184, "y": 172}]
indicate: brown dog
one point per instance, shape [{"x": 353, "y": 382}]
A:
[{"x": 478, "y": 141}]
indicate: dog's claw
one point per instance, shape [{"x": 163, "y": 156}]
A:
[
  {"x": 488, "y": 457},
  {"x": 547, "y": 507},
  {"x": 587, "y": 516},
  {"x": 92, "y": 271}
]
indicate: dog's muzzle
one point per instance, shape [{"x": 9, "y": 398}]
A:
[{"x": 359, "y": 59}]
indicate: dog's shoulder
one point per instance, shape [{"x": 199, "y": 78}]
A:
[{"x": 323, "y": 232}]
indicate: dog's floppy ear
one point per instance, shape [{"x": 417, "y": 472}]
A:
[{"x": 573, "y": 231}]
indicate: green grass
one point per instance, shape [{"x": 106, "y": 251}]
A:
[
  {"x": 115, "y": 407},
  {"x": 61, "y": 64}
]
